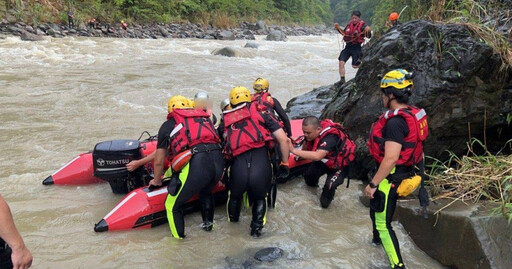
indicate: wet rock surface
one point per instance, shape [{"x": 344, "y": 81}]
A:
[
  {"x": 276, "y": 35},
  {"x": 310, "y": 103},
  {"x": 186, "y": 30},
  {"x": 252, "y": 258},
  {"x": 235, "y": 52},
  {"x": 458, "y": 80},
  {"x": 460, "y": 236}
]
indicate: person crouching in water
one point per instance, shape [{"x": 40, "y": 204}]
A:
[
  {"x": 331, "y": 151},
  {"x": 396, "y": 144},
  {"x": 189, "y": 130},
  {"x": 248, "y": 134}
]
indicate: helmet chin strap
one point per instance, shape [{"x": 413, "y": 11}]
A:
[{"x": 389, "y": 100}]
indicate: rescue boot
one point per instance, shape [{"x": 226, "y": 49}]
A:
[
  {"x": 272, "y": 196},
  {"x": 234, "y": 207},
  {"x": 327, "y": 197},
  {"x": 259, "y": 209},
  {"x": 376, "y": 238},
  {"x": 207, "y": 210}
]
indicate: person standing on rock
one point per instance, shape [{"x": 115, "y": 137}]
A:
[
  {"x": 396, "y": 144},
  {"x": 188, "y": 131},
  {"x": 13, "y": 252},
  {"x": 392, "y": 20},
  {"x": 331, "y": 151},
  {"x": 353, "y": 35},
  {"x": 71, "y": 24},
  {"x": 248, "y": 137}
]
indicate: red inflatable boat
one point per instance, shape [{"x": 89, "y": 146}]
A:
[
  {"x": 80, "y": 170},
  {"x": 142, "y": 209}
]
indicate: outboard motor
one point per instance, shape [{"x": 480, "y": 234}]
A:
[{"x": 110, "y": 159}]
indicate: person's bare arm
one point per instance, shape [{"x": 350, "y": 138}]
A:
[
  {"x": 338, "y": 28},
  {"x": 282, "y": 140},
  {"x": 306, "y": 154},
  {"x": 391, "y": 154},
  {"x": 131, "y": 166},
  {"x": 159, "y": 167},
  {"x": 21, "y": 256}
]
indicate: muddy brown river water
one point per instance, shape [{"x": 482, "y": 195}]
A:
[{"x": 59, "y": 97}]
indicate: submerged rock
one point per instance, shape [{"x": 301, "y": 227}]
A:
[
  {"x": 460, "y": 236},
  {"x": 234, "y": 52},
  {"x": 251, "y": 45},
  {"x": 268, "y": 254}
]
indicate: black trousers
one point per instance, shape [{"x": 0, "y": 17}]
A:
[
  {"x": 251, "y": 172},
  {"x": 201, "y": 176},
  {"x": 334, "y": 179}
]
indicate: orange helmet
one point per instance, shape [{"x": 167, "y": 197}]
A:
[{"x": 393, "y": 16}]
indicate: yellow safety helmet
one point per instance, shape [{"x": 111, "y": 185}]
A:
[
  {"x": 239, "y": 95},
  {"x": 260, "y": 84},
  {"x": 398, "y": 79},
  {"x": 177, "y": 101}
]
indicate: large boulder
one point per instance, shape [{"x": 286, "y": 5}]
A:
[
  {"x": 225, "y": 35},
  {"x": 310, "y": 103},
  {"x": 276, "y": 35},
  {"x": 460, "y": 236},
  {"x": 26, "y": 36},
  {"x": 459, "y": 80}
]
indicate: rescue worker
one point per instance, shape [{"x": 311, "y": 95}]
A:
[
  {"x": 189, "y": 130},
  {"x": 248, "y": 135},
  {"x": 392, "y": 20},
  {"x": 202, "y": 101},
  {"x": 353, "y": 35},
  {"x": 224, "y": 105},
  {"x": 266, "y": 102},
  {"x": 331, "y": 151},
  {"x": 396, "y": 144}
]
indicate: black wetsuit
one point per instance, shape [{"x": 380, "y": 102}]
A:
[
  {"x": 200, "y": 176},
  {"x": 283, "y": 117},
  {"x": 318, "y": 168},
  {"x": 395, "y": 130},
  {"x": 251, "y": 172}
]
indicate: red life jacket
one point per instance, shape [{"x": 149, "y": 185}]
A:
[
  {"x": 412, "y": 148},
  {"x": 193, "y": 127},
  {"x": 354, "y": 33},
  {"x": 345, "y": 151},
  {"x": 264, "y": 100},
  {"x": 244, "y": 129}
]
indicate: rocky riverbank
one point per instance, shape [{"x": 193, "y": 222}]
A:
[{"x": 187, "y": 30}]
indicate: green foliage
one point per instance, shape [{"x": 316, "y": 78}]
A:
[{"x": 201, "y": 11}]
